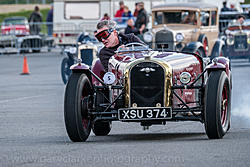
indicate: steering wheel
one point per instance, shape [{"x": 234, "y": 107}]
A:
[{"x": 136, "y": 43}]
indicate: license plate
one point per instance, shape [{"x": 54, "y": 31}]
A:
[{"x": 144, "y": 113}]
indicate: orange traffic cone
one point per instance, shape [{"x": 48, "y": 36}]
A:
[{"x": 25, "y": 66}]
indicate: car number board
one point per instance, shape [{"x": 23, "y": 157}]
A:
[{"x": 144, "y": 113}]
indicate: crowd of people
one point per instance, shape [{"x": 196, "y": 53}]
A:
[
  {"x": 136, "y": 22},
  {"x": 226, "y": 9}
]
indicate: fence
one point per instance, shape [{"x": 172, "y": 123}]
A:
[{"x": 24, "y": 37}]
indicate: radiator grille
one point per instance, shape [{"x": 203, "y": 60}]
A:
[{"x": 147, "y": 84}]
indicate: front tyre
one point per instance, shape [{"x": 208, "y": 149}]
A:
[
  {"x": 76, "y": 104},
  {"x": 217, "y": 105},
  {"x": 65, "y": 70}
]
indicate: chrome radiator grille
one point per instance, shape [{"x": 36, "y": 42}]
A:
[
  {"x": 240, "y": 42},
  {"x": 164, "y": 40},
  {"x": 147, "y": 85}
]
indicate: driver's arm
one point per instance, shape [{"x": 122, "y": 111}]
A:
[{"x": 133, "y": 38}]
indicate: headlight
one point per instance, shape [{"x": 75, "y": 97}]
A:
[
  {"x": 179, "y": 37},
  {"x": 147, "y": 36},
  {"x": 185, "y": 77},
  {"x": 230, "y": 40},
  {"x": 248, "y": 40},
  {"x": 109, "y": 78},
  {"x": 72, "y": 50}
]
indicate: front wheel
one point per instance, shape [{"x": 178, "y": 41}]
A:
[
  {"x": 77, "y": 101},
  {"x": 217, "y": 105},
  {"x": 65, "y": 70}
]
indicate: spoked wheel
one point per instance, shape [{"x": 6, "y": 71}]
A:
[
  {"x": 77, "y": 101},
  {"x": 205, "y": 45},
  {"x": 65, "y": 70},
  {"x": 217, "y": 105},
  {"x": 204, "y": 41}
]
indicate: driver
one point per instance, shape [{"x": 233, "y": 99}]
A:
[
  {"x": 111, "y": 39},
  {"x": 241, "y": 19}
]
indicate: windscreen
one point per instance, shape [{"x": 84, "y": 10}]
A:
[
  {"x": 14, "y": 21},
  {"x": 173, "y": 17}
]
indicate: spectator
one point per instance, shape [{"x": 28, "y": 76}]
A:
[
  {"x": 131, "y": 28},
  {"x": 241, "y": 19},
  {"x": 136, "y": 9},
  {"x": 105, "y": 17},
  {"x": 126, "y": 14},
  {"x": 34, "y": 20},
  {"x": 49, "y": 21},
  {"x": 121, "y": 10},
  {"x": 225, "y": 8},
  {"x": 142, "y": 18},
  {"x": 232, "y": 8}
]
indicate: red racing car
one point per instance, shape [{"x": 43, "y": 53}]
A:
[{"x": 148, "y": 87}]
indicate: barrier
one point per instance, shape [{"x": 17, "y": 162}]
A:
[
  {"x": 25, "y": 37},
  {"x": 32, "y": 37}
]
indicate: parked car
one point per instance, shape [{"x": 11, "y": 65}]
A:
[
  {"x": 15, "y": 33},
  {"x": 237, "y": 39},
  {"x": 148, "y": 87},
  {"x": 175, "y": 26},
  {"x": 16, "y": 25}
]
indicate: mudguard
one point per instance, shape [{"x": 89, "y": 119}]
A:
[
  {"x": 220, "y": 63},
  {"x": 218, "y": 49},
  {"x": 192, "y": 47},
  {"x": 98, "y": 69}
]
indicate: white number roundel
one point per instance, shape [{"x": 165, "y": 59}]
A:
[{"x": 109, "y": 78}]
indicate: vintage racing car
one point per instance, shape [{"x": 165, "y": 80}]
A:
[
  {"x": 87, "y": 46},
  {"x": 175, "y": 26},
  {"x": 237, "y": 40},
  {"x": 149, "y": 87}
]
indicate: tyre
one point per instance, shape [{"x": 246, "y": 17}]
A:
[
  {"x": 65, "y": 70},
  {"x": 36, "y": 50},
  {"x": 76, "y": 104},
  {"x": 101, "y": 128},
  {"x": 217, "y": 105},
  {"x": 200, "y": 52},
  {"x": 203, "y": 39}
]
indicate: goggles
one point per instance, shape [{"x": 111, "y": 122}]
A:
[{"x": 104, "y": 34}]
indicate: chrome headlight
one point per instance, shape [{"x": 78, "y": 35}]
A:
[
  {"x": 230, "y": 40},
  {"x": 185, "y": 77},
  {"x": 179, "y": 37},
  {"x": 147, "y": 36}
]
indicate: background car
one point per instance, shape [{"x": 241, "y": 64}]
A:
[
  {"x": 237, "y": 39},
  {"x": 175, "y": 26},
  {"x": 15, "y": 26},
  {"x": 87, "y": 47}
]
